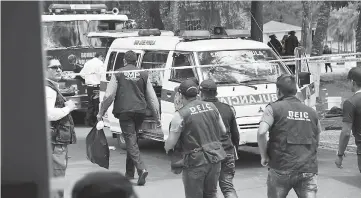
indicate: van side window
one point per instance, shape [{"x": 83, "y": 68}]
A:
[
  {"x": 110, "y": 64},
  {"x": 181, "y": 74},
  {"x": 155, "y": 59}
]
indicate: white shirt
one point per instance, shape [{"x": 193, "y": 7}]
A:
[
  {"x": 54, "y": 113},
  {"x": 91, "y": 71}
]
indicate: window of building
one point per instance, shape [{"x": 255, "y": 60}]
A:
[{"x": 193, "y": 24}]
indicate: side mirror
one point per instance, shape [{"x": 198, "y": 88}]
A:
[{"x": 304, "y": 78}]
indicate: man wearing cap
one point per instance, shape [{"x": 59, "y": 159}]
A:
[
  {"x": 198, "y": 127},
  {"x": 132, "y": 93},
  {"x": 61, "y": 123},
  {"x": 291, "y": 43},
  {"x": 351, "y": 118},
  {"x": 275, "y": 44},
  {"x": 91, "y": 73},
  {"x": 291, "y": 153},
  {"x": 230, "y": 140}
]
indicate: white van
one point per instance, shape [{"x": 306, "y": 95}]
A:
[{"x": 246, "y": 87}]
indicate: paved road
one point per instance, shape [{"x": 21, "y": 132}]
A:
[{"x": 250, "y": 179}]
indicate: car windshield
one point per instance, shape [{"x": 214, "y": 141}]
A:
[
  {"x": 58, "y": 34},
  {"x": 233, "y": 67}
]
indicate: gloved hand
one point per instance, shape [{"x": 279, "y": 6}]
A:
[{"x": 100, "y": 125}]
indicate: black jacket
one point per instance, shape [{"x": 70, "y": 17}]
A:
[{"x": 229, "y": 121}]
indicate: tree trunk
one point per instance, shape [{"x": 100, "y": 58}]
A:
[
  {"x": 358, "y": 36},
  {"x": 154, "y": 15},
  {"x": 257, "y": 21},
  {"x": 175, "y": 15},
  {"x": 306, "y": 37},
  {"x": 321, "y": 29}
]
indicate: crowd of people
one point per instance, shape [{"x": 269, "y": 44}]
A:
[
  {"x": 287, "y": 45},
  {"x": 203, "y": 135}
]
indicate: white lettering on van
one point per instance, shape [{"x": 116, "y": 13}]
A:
[{"x": 249, "y": 99}]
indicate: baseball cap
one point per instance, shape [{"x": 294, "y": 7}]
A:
[
  {"x": 208, "y": 85},
  {"x": 354, "y": 74},
  {"x": 130, "y": 56},
  {"x": 188, "y": 88},
  {"x": 103, "y": 184}
]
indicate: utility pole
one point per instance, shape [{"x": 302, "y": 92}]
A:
[{"x": 257, "y": 21}]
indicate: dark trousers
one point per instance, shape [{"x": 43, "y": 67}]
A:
[
  {"x": 130, "y": 124},
  {"x": 228, "y": 169},
  {"x": 279, "y": 184},
  {"x": 358, "y": 151},
  {"x": 93, "y": 105},
  {"x": 201, "y": 181},
  {"x": 328, "y": 65}
]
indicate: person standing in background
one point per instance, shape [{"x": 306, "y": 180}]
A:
[
  {"x": 275, "y": 44},
  {"x": 91, "y": 73},
  {"x": 291, "y": 43},
  {"x": 327, "y": 50}
]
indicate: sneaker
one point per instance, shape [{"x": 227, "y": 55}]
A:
[
  {"x": 141, "y": 180},
  {"x": 129, "y": 177}
]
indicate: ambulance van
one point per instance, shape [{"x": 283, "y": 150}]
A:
[{"x": 244, "y": 70}]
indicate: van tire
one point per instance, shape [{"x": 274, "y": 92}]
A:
[{"x": 121, "y": 141}]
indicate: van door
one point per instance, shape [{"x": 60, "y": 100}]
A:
[
  {"x": 173, "y": 78},
  {"x": 307, "y": 91},
  {"x": 152, "y": 60},
  {"x": 114, "y": 62}
]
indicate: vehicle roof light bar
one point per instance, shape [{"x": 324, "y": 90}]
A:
[
  {"x": 238, "y": 33},
  {"x": 58, "y": 8},
  {"x": 149, "y": 32},
  {"x": 192, "y": 34}
]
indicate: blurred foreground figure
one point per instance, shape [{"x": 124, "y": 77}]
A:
[{"x": 103, "y": 185}]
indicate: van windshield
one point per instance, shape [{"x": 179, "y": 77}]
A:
[
  {"x": 233, "y": 67},
  {"x": 59, "y": 34}
]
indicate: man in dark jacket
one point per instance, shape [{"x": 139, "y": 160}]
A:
[
  {"x": 275, "y": 44},
  {"x": 131, "y": 92},
  {"x": 230, "y": 140},
  {"x": 291, "y": 43},
  {"x": 291, "y": 153},
  {"x": 198, "y": 127}
]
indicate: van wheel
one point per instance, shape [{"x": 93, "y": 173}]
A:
[{"x": 121, "y": 141}]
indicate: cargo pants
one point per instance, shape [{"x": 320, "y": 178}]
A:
[
  {"x": 228, "y": 169},
  {"x": 130, "y": 124},
  {"x": 60, "y": 163},
  {"x": 201, "y": 181}
]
